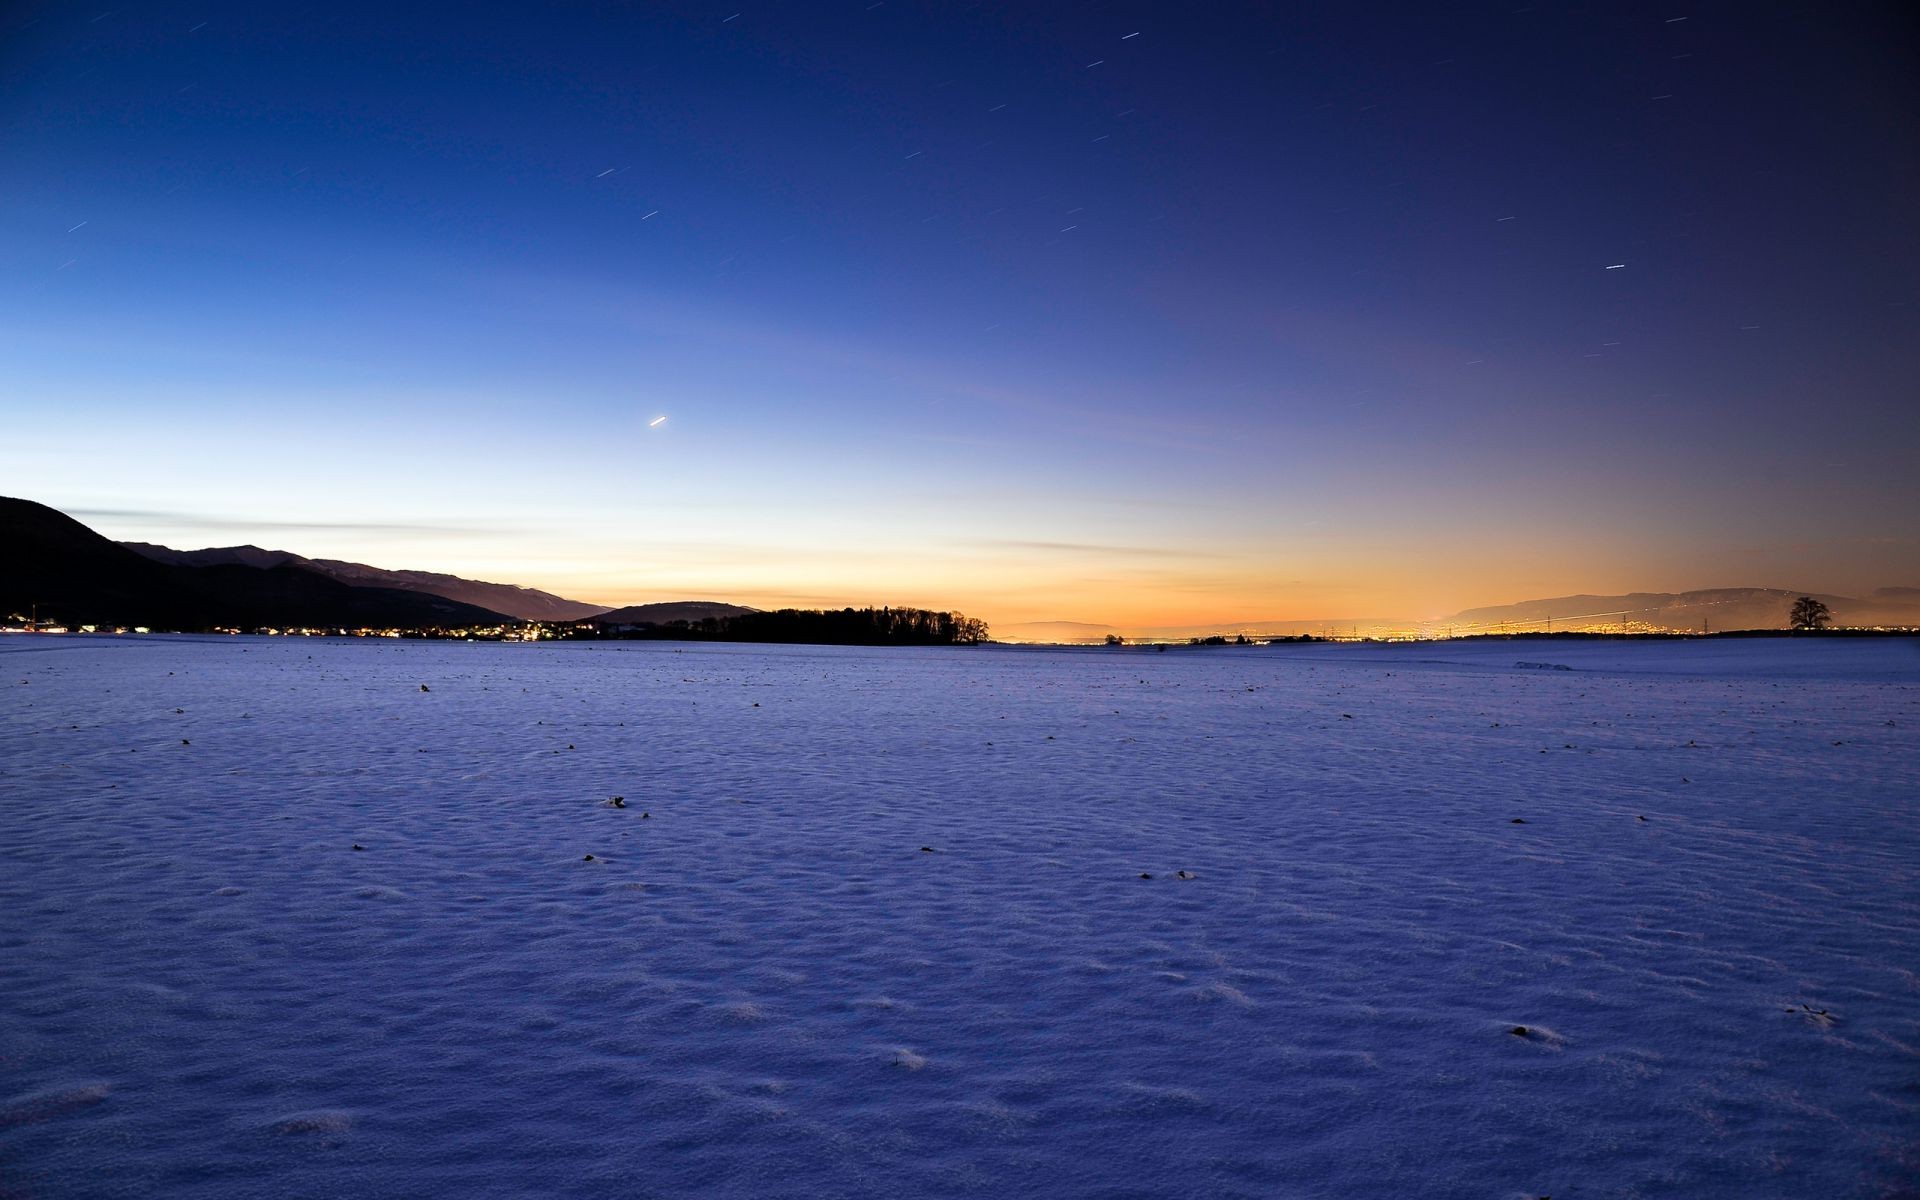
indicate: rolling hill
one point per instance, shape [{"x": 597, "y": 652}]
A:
[
  {"x": 1706, "y": 608},
  {"x": 669, "y": 612},
  {"x": 1710, "y": 609},
  {"x": 53, "y": 565},
  {"x": 523, "y": 603}
]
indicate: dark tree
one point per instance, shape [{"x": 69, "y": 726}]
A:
[
  {"x": 1808, "y": 613},
  {"x": 845, "y": 627}
]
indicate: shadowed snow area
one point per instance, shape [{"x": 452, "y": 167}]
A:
[{"x": 282, "y": 917}]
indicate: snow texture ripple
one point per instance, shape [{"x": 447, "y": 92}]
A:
[{"x": 282, "y": 917}]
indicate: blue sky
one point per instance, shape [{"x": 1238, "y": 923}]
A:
[{"x": 1249, "y": 315}]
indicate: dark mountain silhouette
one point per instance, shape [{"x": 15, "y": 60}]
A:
[
  {"x": 691, "y": 611},
  {"x": 222, "y": 556},
  {"x": 527, "y": 604},
  {"x": 69, "y": 573}
]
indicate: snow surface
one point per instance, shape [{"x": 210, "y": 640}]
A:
[{"x": 760, "y": 984}]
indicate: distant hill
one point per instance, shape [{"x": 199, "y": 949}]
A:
[
  {"x": 526, "y": 604},
  {"x": 1719, "y": 609},
  {"x": 1711, "y": 608},
  {"x": 69, "y": 573},
  {"x": 667, "y": 613}
]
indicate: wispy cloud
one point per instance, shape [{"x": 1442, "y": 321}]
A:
[{"x": 200, "y": 521}]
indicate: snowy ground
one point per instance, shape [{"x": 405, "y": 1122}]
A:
[{"x": 761, "y": 984}]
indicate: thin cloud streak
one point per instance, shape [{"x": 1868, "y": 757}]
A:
[{"x": 198, "y": 521}]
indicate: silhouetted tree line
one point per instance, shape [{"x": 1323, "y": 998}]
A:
[{"x": 842, "y": 627}]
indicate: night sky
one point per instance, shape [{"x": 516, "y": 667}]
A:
[{"x": 1095, "y": 311}]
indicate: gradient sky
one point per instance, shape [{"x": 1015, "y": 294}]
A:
[{"x": 1148, "y": 314}]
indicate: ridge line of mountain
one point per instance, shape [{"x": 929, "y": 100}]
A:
[
  {"x": 75, "y": 574},
  {"x": 512, "y": 600},
  {"x": 58, "y": 569}
]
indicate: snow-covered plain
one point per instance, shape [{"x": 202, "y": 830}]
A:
[{"x": 876, "y": 922}]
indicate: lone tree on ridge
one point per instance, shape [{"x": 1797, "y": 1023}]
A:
[{"x": 1809, "y": 613}]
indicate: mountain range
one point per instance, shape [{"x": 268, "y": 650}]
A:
[
  {"x": 521, "y": 603},
  {"x": 55, "y": 565}
]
